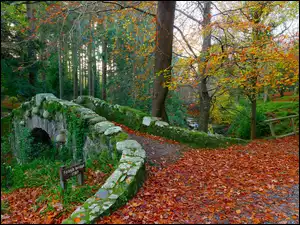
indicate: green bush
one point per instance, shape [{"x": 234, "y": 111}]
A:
[
  {"x": 241, "y": 125},
  {"x": 106, "y": 161},
  {"x": 6, "y": 163},
  {"x": 29, "y": 151},
  {"x": 176, "y": 111}
]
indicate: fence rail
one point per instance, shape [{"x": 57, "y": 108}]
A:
[{"x": 271, "y": 121}]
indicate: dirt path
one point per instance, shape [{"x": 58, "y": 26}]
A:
[
  {"x": 159, "y": 152},
  {"x": 256, "y": 183}
]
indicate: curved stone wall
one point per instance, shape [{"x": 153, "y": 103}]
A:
[
  {"x": 141, "y": 121},
  {"x": 118, "y": 188},
  {"x": 87, "y": 134}
]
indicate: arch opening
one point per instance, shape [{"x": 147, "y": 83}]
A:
[{"x": 41, "y": 144}]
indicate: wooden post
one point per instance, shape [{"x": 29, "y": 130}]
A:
[
  {"x": 293, "y": 124},
  {"x": 80, "y": 177},
  {"x": 63, "y": 183},
  {"x": 272, "y": 129}
]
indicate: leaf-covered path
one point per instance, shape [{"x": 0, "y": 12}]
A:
[{"x": 256, "y": 183}]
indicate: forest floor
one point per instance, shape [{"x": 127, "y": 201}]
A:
[{"x": 255, "y": 183}]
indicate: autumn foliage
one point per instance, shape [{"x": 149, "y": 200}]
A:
[{"x": 233, "y": 185}]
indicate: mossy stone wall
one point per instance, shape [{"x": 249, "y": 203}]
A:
[
  {"x": 141, "y": 121},
  {"x": 87, "y": 134}
]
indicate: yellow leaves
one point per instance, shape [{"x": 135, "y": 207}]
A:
[{"x": 238, "y": 211}]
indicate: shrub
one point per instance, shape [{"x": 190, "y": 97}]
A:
[
  {"x": 6, "y": 163},
  {"x": 175, "y": 109},
  {"x": 241, "y": 125}
]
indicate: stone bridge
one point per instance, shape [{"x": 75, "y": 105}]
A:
[{"x": 85, "y": 134}]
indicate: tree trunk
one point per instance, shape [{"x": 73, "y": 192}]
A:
[
  {"x": 204, "y": 106},
  {"x": 66, "y": 59},
  {"x": 205, "y": 99},
  {"x": 80, "y": 72},
  {"x": 60, "y": 71},
  {"x": 104, "y": 67},
  {"x": 74, "y": 67},
  {"x": 31, "y": 54},
  {"x": 281, "y": 91},
  {"x": 296, "y": 89},
  {"x": 80, "y": 66},
  {"x": 253, "y": 119},
  {"x": 163, "y": 56},
  {"x": 86, "y": 69},
  {"x": 90, "y": 60},
  {"x": 94, "y": 70}
]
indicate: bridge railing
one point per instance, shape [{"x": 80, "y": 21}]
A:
[{"x": 272, "y": 121}]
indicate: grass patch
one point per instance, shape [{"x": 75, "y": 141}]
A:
[
  {"x": 276, "y": 109},
  {"x": 45, "y": 174},
  {"x": 4, "y": 207}
]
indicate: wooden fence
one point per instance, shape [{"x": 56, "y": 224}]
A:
[{"x": 271, "y": 121}]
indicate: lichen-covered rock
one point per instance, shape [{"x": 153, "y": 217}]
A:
[
  {"x": 140, "y": 153},
  {"x": 129, "y": 159},
  {"x": 113, "y": 130},
  {"x": 79, "y": 100},
  {"x": 40, "y": 97},
  {"x": 115, "y": 176},
  {"x": 124, "y": 166},
  {"x": 59, "y": 116},
  {"x": 96, "y": 119},
  {"x": 133, "y": 171},
  {"x": 103, "y": 126},
  {"x": 161, "y": 123},
  {"x": 89, "y": 116},
  {"x": 147, "y": 120},
  {"x": 128, "y": 144},
  {"x": 102, "y": 193},
  {"x": 35, "y": 110},
  {"x": 46, "y": 114},
  {"x": 113, "y": 196},
  {"x": 27, "y": 113},
  {"x": 61, "y": 137}
]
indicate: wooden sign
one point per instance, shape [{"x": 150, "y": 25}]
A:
[{"x": 67, "y": 172}]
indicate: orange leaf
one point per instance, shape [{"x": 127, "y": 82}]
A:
[{"x": 77, "y": 220}]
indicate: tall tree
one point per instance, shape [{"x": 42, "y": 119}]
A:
[
  {"x": 205, "y": 99},
  {"x": 31, "y": 53},
  {"x": 74, "y": 65},
  {"x": 104, "y": 63},
  {"x": 163, "y": 56},
  {"x": 60, "y": 69},
  {"x": 90, "y": 59}
]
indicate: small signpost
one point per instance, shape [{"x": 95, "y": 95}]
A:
[{"x": 67, "y": 172}]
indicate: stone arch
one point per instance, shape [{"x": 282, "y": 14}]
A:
[
  {"x": 40, "y": 136},
  {"x": 87, "y": 134}
]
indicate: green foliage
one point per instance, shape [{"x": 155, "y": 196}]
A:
[
  {"x": 4, "y": 207},
  {"x": 175, "y": 109},
  {"x": 277, "y": 107},
  {"x": 241, "y": 125},
  {"x": 281, "y": 109},
  {"x": 6, "y": 162},
  {"x": 106, "y": 161},
  {"x": 28, "y": 150},
  {"x": 24, "y": 141},
  {"x": 223, "y": 109},
  {"x": 43, "y": 173}
]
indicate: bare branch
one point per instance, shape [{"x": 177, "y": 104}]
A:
[
  {"x": 187, "y": 43},
  {"x": 189, "y": 16}
]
